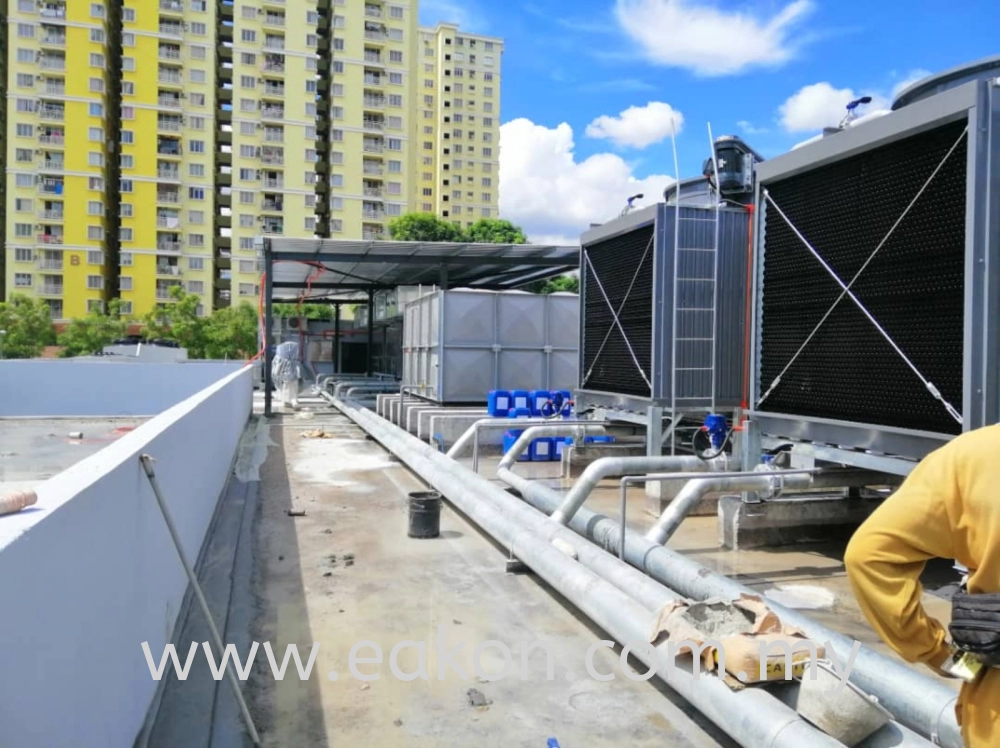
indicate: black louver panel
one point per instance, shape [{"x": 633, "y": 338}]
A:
[
  {"x": 913, "y": 287},
  {"x": 609, "y": 366}
]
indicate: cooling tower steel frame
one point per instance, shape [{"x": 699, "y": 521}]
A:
[{"x": 877, "y": 446}]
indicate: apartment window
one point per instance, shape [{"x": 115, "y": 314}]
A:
[
  {"x": 197, "y": 99},
  {"x": 396, "y": 79},
  {"x": 309, "y": 201},
  {"x": 22, "y": 205},
  {"x": 428, "y": 83},
  {"x": 339, "y": 22},
  {"x": 97, "y": 10},
  {"x": 427, "y": 192},
  {"x": 95, "y": 282},
  {"x": 248, "y": 105},
  {"x": 196, "y": 193},
  {"x": 126, "y": 185},
  {"x": 248, "y": 58},
  {"x": 246, "y": 242},
  {"x": 395, "y": 12},
  {"x": 125, "y": 281},
  {"x": 396, "y": 166},
  {"x": 394, "y": 144},
  {"x": 310, "y": 110},
  {"x": 22, "y": 229},
  {"x": 196, "y": 263},
  {"x": 95, "y": 159},
  {"x": 95, "y": 208},
  {"x": 336, "y": 135},
  {"x": 128, "y": 15},
  {"x": 310, "y": 223},
  {"x": 247, "y": 289},
  {"x": 97, "y": 36},
  {"x": 487, "y": 182},
  {"x": 128, "y": 88},
  {"x": 312, "y": 40},
  {"x": 396, "y": 57},
  {"x": 427, "y": 207},
  {"x": 196, "y": 123},
  {"x": 336, "y": 225},
  {"x": 196, "y": 146},
  {"x": 198, "y": 76},
  {"x": 487, "y": 168},
  {"x": 196, "y": 286},
  {"x": 22, "y": 280},
  {"x": 249, "y": 35},
  {"x": 336, "y": 180},
  {"x": 248, "y": 151},
  {"x": 248, "y": 175},
  {"x": 487, "y": 197},
  {"x": 26, "y": 31},
  {"x": 246, "y": 220},
  {"x": 95, "y": 233},
  {"x": 25, "y": 80},
  {"x": 24, "y": 155},
  {"x": 127, "y": 161},
  {"x": 199, "y": 29},
  {"x": 125, "y": 210},
  {"x": 248, "y": 81},
  {"x": 312, "y": 17},
  {"x": 196, "y": 170},
  {"x": 337, "y": 89},
  {"x": 250, "y": 12},
  {"x": 128, "y": 112},
  {"x": 248, "y": 128},
  {"x": 338, "y": 66},
  {"x": 196, "y": 240},
  {"x": 488, "y": 77},
  {"x": 247, "y": 198},
  {"x": 25, "y": 131},
  {"x": 457, "y": 194},
  {"x": 395, "y": 100},
  {"x": 336, "y": 203},
  {"x": 395, "y": 188},
  {"x": 395, "y": 123},
  {"x": 26, "y": 105},
  {"x": 311, "y": 155},
  {"x": 312, "y": 63},
  {"x": 125, "y": 234},
  {"x": 337, "y": 112},
  {"x": 128, "y": 63},
  {"x": 96, "y": 109},
  {"x": 125, "y": 308},
  {"x": 428, "y": 51},
  {"x": 311, "y": 86},
  {"x": 487, "y": 122},
  {"x": 394, "y": 209},
  {"x": 128, "y": 39},
  {"x": 428, "y": 145},
  {"x": 23, "y": 255},
  {"x": 396, "y": 35},
  {"x": 196, "y": 216},
  {"x": 488, "y": 91},
  {"x": 24, "y": 180},
  {"x": 487, "y": 152}
]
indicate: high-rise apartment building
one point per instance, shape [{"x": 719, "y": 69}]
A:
[
  {"x": 148, "y": 143},
  {"x": 458, "y": 127}
]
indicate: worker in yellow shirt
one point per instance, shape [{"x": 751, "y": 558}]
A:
[{"x": 948, "y": 507}]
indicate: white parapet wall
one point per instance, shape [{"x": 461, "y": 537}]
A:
[
  {"x": 90, "y": 572},
  {"x": 67, "y": 387}
]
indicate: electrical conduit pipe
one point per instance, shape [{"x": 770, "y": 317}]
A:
[
  {"x": 752, "y": 717},
  {"x": 917, "y": 701}
]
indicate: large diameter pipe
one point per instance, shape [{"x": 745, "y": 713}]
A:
[
  {"x": 541, "y": 432},
  {"x": 607, "y": 467},
  {"x": 753, "y": 718},
  {"x": 485, "y": 424},
  {"x": 917, "y": 701}
]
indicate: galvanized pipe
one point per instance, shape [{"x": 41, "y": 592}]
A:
[
  {"x": 471, "y": 434},
  {"x": 752, "y": 717},
  {"x": 611, "y": 466},
  {"x": 917, "y": 701},
  {"x": 369, "y": 388},
  {"x": 576, "y": 429}
]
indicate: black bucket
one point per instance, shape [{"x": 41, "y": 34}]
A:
[{"x": 425, "y": 514}]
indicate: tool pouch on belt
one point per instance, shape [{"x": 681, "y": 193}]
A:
[{"x": 975, "y": 625}]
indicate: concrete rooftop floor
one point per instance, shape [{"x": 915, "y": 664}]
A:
[{"x": 32, "y": 450}]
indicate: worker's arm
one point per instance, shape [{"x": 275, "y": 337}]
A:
[{"x": 888, "y": 553}]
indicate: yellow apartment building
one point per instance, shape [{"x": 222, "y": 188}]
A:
[
  {"x": 458, "y": 130},
  {"x": 150, "y": 143}
]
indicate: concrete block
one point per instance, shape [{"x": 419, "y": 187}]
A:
[{"x": 790, "y": 520}]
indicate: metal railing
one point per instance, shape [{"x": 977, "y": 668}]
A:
[
  {"x": 373, "y": 125},
  {"x": 273, "y": 90},
  {"x": 53, "y": 63},
  {"x": 377, "y": 36},
  {"x": 175, "y": 6},
  {"x": 168, "y": 246},
  {"x": 50, "y": 289},
  {"x": 54, "y": 39},
  {"x": 52, "y": 113},
  {"x": 168, "y": 125},
  {"x": 169, "y": 53},
  {"x": 273, "y": 182},
  {"x": 274, "y": 44},
  {"x": 168, "y": 197},
  {"x": 168, "y": 174},
  {"x": 273, "y": 67},
  {"x": 169, "y": 77},
  {"x": 373, "y": 170},
  {"x": 52, "y": 164},
  {"x": 276, "y": 159},
  {"x": 273, "y": 112},
  {"x": 373, "y": 148},
  {"x": 55, "y": 90},
  {"x": 171, "y": 101},
  {"x": 173, "y": 29},
  {"x": 51, "y": 139},
  {"x": 50, "y": 264},
  {"x": 274, "y": 19},
  {"x": 51, "y": 215},
  {"x": 373, "y": 192}
]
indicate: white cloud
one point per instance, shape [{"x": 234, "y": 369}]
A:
[
  {"x": 820, "y": 105},
  {"x": 551, "y": 195},
  {"x": 460, "y": 12},
  {"x": 696, "y": 35},
  {"x": 638, "y": 126},
  {"x": 909, "y": 80},
  {"x": 750, "y": 129}
]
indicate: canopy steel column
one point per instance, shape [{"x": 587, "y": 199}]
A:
[
  {"x": 268, "y": 323},
  {"x": 336, "y": 338},
  {"x": 371, "y": 331}
]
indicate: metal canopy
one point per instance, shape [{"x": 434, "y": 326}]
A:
[{"x": 342, "y": 266}]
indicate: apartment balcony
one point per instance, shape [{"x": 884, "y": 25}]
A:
[
  {"x": 274, "y": 19},
  {"x": 372, "y": 168},
  {"x": 168, "y": 246},
  {"x": 172, "y": 6},
  {"x": 169, "y": 125},
  {"x": 163, "y": 293},
  {"x": 277, "y": 159},
  {"x": 55, "y": 89},
  {"x": 273, "y": 112},
  {"x": 274, "y": 89},
  {"x": 50, "y": 186},
  {"x": 374, "y": 58},
  {"x": 374, "y": 102},
  {"x": 48, "y": 62},
  {"x": 51, "y": 214},
  {"x": 52, "y": 138},
  {"x": 371, "y": 235},
  {"x": 49, "y": 289},
  {"x": 168, "y": 196},
  {"x": 53, "y": 10},
  {"x": 374, "y": 80},
  {"x": 373, "y": 11},
  {"x": 376, "y": 34},
  {"x": 274, "y": 136},
  {"x": 373, "y": 192},
  {"x": 170, "y": 77},
  {"x": 49, "y": 264},
  {"x": 53, "y": 40},
  {"x": 373, "y": 146},
  {"x": 52, "y": 164},
  {"x": 373, "y": 215},
  {"x": 168, "y": 221},
  {"x": 272, "y": 229},
  {"x": 271, "y": 205},
  {"x": 49, "y": 238},
  {"x": 174, "y": 102},
  {"x": 170, "y": 52},
  {"x": 171, "y": 29},
  {"x": 171, "y": 149},
  {"x": 165, "y": 269},
  {"x": 273, "y": 66},
  {"x": 373, "y": 125},
  {"x": 173, "y": 175},
  {"x": 273, "y": 42},
  {"x": 274, "y": 183},
  {"x": 52, "y": 113}
]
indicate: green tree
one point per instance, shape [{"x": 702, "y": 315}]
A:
[
  {"x": 86, "y": 335},
  {"x": 494, "y": 231},
  {"x": 231, "y": 332},
  {"x": 562, "y": 283},
  {"x": 178, "y": 321},
  {"x": 27, "y": 327},
  {"x": 424, "y": 227},
  {"x": 309, "y": 311}
]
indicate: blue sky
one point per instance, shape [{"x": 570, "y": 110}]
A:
[{"x": 772, "y": 72}]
